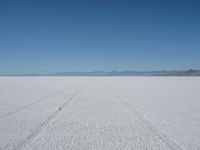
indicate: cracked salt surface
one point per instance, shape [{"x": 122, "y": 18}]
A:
[{"x": 145, "y": 113}]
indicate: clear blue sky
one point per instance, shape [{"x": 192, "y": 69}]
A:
[{"x": 45, "y": 36}]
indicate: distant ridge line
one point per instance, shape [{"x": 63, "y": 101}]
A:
[{"x": 189, "y": 72}]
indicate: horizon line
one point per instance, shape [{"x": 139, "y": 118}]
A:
[{"x": 111, "y": 73}]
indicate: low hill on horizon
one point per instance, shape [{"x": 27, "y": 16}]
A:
[{"x": 190, "y": 72}]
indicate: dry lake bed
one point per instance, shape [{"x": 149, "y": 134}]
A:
[{"x": 99, "y": 113}]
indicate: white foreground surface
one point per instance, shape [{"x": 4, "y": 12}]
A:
[{"x": 99, "y": 113}]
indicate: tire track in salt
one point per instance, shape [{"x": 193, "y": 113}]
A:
[
  {"x": 48, "y": 121},
  {"x": 164, "y": 106},
  {"x": 173, "y": 145},
  {"x": 35, "y": 102}
]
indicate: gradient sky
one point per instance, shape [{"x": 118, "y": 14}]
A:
[{"x": 44, "y": 36}]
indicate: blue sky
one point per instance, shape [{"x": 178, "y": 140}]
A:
[{"x": 46, "y": 36}]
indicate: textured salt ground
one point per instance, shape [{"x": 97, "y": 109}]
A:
[
  {"x": 15, "y": 127},
  {"x": 170, "y": 103},
  {"x": 17, "y": 92},
  {"x": 96, "y": 119}
]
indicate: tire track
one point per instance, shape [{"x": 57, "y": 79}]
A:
[
  {"x": 35, "y": 102},
  {"x": 164, "y": 106},
  {"x": 48, "y": 121},
  {"x": 173, "y": 145}
]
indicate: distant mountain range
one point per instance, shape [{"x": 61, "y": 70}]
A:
[
  {"x": 190, "y": 72},
  {"x": 130, "y": 73}
]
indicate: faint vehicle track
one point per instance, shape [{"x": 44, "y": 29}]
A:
[
  {"x": 48, "y": 121},
  {"x": 164, "y": 106},
  {"x": 35, "y": 102},
  {"x": 168, "y": 141}
]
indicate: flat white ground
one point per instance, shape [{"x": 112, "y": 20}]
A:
[{"x": 99, "y": 113}]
